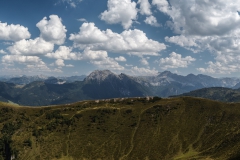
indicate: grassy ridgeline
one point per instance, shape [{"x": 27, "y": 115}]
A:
[{"x": 177, "y": 129}]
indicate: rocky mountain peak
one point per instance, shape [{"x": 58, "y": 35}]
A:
[
  {"x": 99, "y": 75},
  {"x": 123, "y": 75},
  {"x": 165, "y": 73},
  {"x": 191, "y": 75}
]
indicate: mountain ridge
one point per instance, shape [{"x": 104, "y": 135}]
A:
[
  {"x": 23, "y": 80},
  {"x": 103, "y": 84}
]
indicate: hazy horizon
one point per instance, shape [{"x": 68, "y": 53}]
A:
[{"x": 19, "y": 75}]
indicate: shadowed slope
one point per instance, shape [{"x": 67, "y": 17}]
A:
[{"x": 216, "y": 93}]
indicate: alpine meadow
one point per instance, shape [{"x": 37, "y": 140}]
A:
[{"x": 132, "y": 128}]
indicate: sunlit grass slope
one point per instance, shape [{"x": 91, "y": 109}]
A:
[{"x": 157, "y": 129}]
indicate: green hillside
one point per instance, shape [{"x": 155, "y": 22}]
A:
[{"x": 168, "y": 129}]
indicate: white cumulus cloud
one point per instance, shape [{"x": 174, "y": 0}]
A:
[
  {"x": 206, "y": 26},
  {"x": 52, "y": 30},
  {"x": 2, "y": 51},
  {"x": 32, "y": 64},
  {"x": 101, "y": 59},
  {"x": 121, "y": 59},
  {"x": 59, "y": 63},
  {"x": 225, "y": 64},
  {"x": 63, "y": 52},
  {"x": 21, "y": 59},
  {"x": 120, "y": 11},
  {"x": 151, "y": 20},
  {"x": 35, "y": 46},
  {"x": 133, "y": 42},
  {"x": 182, "y": 41},
  {"x": 13, "y": 32},
  {"x": 143, "y": 71},
  {"x": 162, "y": 5},
  {"x": 144, "y": 61},
  {"x": 89, "y": 34},
  {"x": 94, "y": 55},
  {"x": 145, "y": 7},
  {"x": 175, "y": 61}
]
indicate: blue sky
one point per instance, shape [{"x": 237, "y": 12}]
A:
[{"x": 136, "y": 37}]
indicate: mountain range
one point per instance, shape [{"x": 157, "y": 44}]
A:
[
  {"x": 103, "y": 84},
  {"x": 23, "y": 80}
]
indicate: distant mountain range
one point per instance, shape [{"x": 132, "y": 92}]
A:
[
  {"x": 23, "y": 80},
  {"x": 103, "y": 84}
]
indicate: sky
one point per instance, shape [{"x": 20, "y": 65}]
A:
[{"x": 136, "y": 37}]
